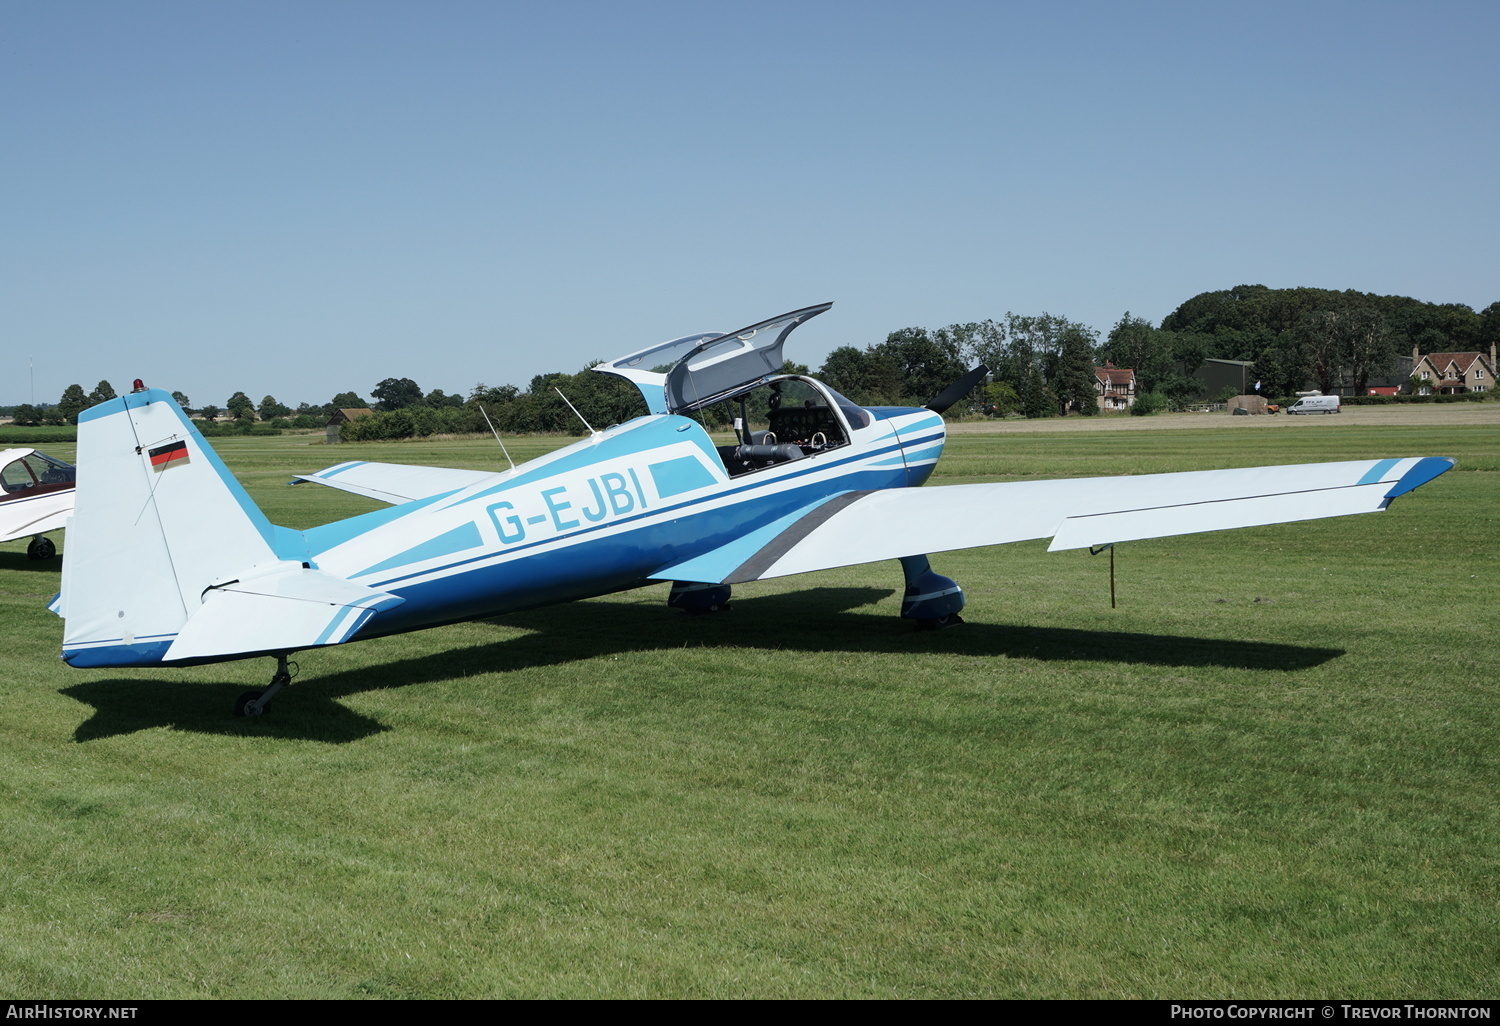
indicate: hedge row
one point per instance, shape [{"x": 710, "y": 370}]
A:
[
  {"x": 1403, "y": 398},
  {"x": 12, "y": 435},
  {"x": 412, "y": 422}
]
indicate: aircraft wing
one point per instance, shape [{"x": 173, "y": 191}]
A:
[
  {"x": 394, "y": 482},
  {"x": 863, "y": 527}
]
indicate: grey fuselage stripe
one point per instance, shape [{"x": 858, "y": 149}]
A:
[{"x": 752, "y": 568}]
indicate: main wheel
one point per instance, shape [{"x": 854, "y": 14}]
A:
[
  {"x": 243, "y": 707},
  {"x": 941, "y": 623},
  {"x": 41, "y": 548}
]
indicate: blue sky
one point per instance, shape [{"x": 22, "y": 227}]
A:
[{"x": 305, "y": 198}]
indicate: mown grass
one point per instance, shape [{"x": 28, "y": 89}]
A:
[{"x": 1270, "y": 772}]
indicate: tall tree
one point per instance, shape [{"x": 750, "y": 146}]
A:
[
  {"x": 270, "y": 408},
  {"x": 926, "y": 365},
  {"x": 1323, "y": 345},
  {"x": 1037, "y": 399},
  {"x": 1369, "y": 348},
  {"x": 240, "y": 407},
  {"x": 1133, "y": 343},
  {"x": 73, "y": 402},
  {"x": 1074, "y": 381},
  {"x": 1489, "y": 326},
  {"x": 182, "y": 401},
  {"x": 346, "y": 401},
  {"x": 1281, "y": 369},
  {"x": 102, "y": 393},
  {"x": 1346, "y": 337},
  {"x": 870, "y": 377},
  {"x": 844, "y": 371},
  {"x": 978, "y": 341},
  {"x": 1190, "y": 349},
  {"x": 492, "y": 399},
  {"x": 397, "y": 393}
]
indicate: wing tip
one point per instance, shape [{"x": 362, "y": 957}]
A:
[{"x": 1424, "y": 470}]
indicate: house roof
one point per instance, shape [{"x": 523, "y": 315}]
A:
[
  {"x": 1115, "y": 375},
  {"x": 1460, "y": 361}
]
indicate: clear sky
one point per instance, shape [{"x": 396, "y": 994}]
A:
[{"x": 304, "y": 198}]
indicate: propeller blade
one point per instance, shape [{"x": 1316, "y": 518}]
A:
[{"x": 960, "y": 388}]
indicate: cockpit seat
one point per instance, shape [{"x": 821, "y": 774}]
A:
[{"x": 767, "y": 455}]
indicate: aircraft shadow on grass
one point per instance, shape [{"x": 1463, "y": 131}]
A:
[
  {"x": 812, "y": 621},
  {"x": 20, "y": 561}
]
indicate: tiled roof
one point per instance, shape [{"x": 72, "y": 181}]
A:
[{"x": 1461, "y": 361}]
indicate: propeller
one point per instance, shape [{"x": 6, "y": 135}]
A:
[{"x": 960, "y": 388}]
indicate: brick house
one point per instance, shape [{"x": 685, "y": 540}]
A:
[{"x": 1453, "y": 373}]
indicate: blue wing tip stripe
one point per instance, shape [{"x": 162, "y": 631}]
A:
[
  {"x": 332, "y": 471},
  {"x": 1427, "y": 468}
]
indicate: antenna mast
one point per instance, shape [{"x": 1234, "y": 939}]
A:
[
  {"x": 497, "y": 435},
  {"x": 575, "y": 410}
]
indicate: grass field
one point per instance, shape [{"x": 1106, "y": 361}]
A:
[{"x": 1270, "y": 772}]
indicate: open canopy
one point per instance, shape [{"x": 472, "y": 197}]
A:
[{"x": 698, "y": 370}]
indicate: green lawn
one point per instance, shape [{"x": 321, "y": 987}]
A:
[{"x": 1270, "y": 772}]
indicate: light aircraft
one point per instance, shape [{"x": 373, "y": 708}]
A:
[
  {"x": 36, "y": 496},
  {"x": 171, "y": 563}
]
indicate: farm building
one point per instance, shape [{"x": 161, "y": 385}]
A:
[{"x": 339, "y": 419}]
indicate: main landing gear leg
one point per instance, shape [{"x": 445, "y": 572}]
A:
[
  {"x": 696, "y": 599},
  {"x": 254, "y": 703},
  {"x": 931, "y": 599}
]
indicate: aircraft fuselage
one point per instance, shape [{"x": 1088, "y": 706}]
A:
[{"x": 605, "y": 514}]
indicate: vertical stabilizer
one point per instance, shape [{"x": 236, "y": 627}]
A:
[{"x": 158, "y": 520}]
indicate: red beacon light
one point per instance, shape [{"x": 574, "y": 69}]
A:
[{"x": 139, "y": 386}]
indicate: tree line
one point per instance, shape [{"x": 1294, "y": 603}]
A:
[
  {"x": 1301, "y": 336},
  {"x": 1041, "y": 365}
]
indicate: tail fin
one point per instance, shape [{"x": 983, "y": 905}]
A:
[{"x": 162, "y": 534}]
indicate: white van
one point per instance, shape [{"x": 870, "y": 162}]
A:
[{"x": 1315, "y": 404}]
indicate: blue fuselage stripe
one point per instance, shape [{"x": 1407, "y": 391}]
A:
[
  {"x": 889, "y": 478},
  {"x": 581, "y": 567}
]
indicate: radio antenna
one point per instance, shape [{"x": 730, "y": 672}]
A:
[
  {"x": 497, "y": 435},
  {"x": 575, "y": 411}
]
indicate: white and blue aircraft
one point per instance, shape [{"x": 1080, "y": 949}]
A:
[
  {"x": 170, "y": 563},
  {"x": 36, "y": 496}
]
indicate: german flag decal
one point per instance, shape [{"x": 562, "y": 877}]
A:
[{"x": 164, "y": 456}]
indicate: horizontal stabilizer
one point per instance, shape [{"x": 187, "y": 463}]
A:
[
  {"x": 395, "y": 483},
  {"x": 281, "y": 611},
  {"x": 862, "y": 527}
]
